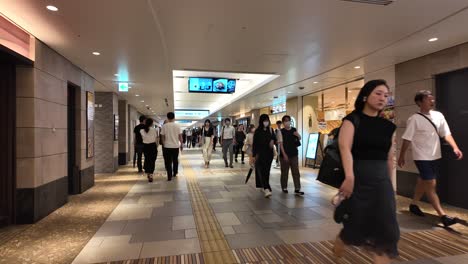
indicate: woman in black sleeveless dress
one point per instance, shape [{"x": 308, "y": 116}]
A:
[{"x": 365, "y": 142}]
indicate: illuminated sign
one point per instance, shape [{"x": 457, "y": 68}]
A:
[
  {"x": 281, "y": 108},
  {"x": 123, "y": 87},
  {"x": 312, "y": 145},
  {"x": 191, "y": 114}
]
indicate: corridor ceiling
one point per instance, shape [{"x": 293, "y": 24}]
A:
[{"x": 302, "y": 41}]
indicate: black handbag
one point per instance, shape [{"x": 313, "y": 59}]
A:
[
  {"x": 331, "y": 169},
  {"x": 297, "y": 141}
]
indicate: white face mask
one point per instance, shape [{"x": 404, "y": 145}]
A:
[
  {"x": 287, "y": 123},
  {"x": 266, "y": 123}
]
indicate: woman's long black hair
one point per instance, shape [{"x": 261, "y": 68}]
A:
[
  {"x": 148, "y": 124},
  {"x": 262, "y": 118},
  {"x": 366, "y": 90}
]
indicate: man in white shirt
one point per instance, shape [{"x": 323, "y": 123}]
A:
[
  {"x": 424, "y": 130},
  {"x": 171, "y": 135},
  {"x": 228, "y": 141}
]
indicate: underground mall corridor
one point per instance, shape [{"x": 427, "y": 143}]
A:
[{"x": 210, "y": 216}]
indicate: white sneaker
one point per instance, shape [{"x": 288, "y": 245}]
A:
[{"x": 267, "y": 193}]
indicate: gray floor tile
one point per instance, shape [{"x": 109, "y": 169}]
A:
[
  {"x": 303, "y": 214},
  {"x": 253, "y": 240},
  {"x": 248, "y": 228},
  {"x": 151, "y": 236},
  {"x": 170, "y": 248},
  {"x": 245, "y": 217},
  {"x": 227, "y": 219},
  {"x": 270, "y": 218},
  {"x": 111, "y": 228},
  {"x": 183, "y": 222},
  {"x": 140, "y": 226},
  {"x": 228, "y": 230}
]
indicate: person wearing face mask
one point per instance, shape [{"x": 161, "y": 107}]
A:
[
  {"x": 365, "y": 142},
  {"x": 206, "y": 140},
  {"x": 227, "y": 141},
  {"x": 288, "y": 139},
  {"x": 262, "y": 152}
]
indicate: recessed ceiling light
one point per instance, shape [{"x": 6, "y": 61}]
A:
[
  {"x": 116, "y": 74},
  {"x": 137, "y": 95},
  {"x": 146, "y": 105},
  {"x": 433, "y": 39},
  {"x": 142, "y": 101},
  {"x": 315, "y": 82},
  {"x": 357, "y": 67},
  {"x": 129, "y": 87},
  {"x": 289, "y": 92},
  {"x": 96, "y": 53},
  {"x": 52, "y": 8}
]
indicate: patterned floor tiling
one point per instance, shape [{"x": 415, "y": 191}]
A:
[{"x": 414, "y": 247}]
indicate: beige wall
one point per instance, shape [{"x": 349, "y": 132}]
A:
[
  {"x": 42, "y": 118},
  {"x": 309, "y": 105},
  {"x": 418, "y": 74}
]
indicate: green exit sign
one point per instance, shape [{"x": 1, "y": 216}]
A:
[{"x": 123, "y": 87}]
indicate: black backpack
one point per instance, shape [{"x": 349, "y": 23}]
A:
[{"x": 331, "y": 170}]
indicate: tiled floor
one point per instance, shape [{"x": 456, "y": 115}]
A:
[{"x": 211, "y": 216}]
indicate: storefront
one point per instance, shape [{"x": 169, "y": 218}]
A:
[{"x": 323, "y": 112}]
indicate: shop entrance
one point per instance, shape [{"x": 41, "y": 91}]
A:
[
  {"x": 451, "y": 98},
  {"x": 7, "y": 139}
]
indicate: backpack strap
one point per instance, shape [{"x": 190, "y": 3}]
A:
[{"x": 430, "y": 121}]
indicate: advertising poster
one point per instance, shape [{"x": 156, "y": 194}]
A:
[
  {"x": 389, "y": 110},
  {"x": 89, "y": 125},
  {"x": 312, "y": 145}
]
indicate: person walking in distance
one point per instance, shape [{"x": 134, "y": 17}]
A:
[
  {"x": 288, "y": 139},
  {"x": 215, "y": 138},
  {"x": 206, "y": 139},
  {"x": 365, "y": 143},
  {"x": 189, "y": 137},
  {"x": 240, "y": 138},
  {"x": 172, "y": 141},
  {"x": 424, "y": 130},
  {"x": 150, "y": 137},
  {"x": 277, "y": 131},
  {"x": 227, "y": 141},
  {"x": 138, "y": 143},
  {"x": 262, "y": 152}
]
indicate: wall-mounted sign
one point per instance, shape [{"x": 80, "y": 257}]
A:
[
  {"x": 312, "y": 145},
  {"x": 276, "y": 109},
  {"x": 123, "y": 87},
  {"x": 89, "y": 125},
  {"x": 191, "y": 114}
]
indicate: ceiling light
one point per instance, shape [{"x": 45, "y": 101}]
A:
[
  {"x": 289, "y": 92},
  {"x": 142, "y": 101},
  {"x": 315, "y": 82},
  {"x": 96, "y": 53},
  {"x": 129, "y": 87},
  {"x": 116, "y": 74},
  {"x": 146, "y": 105},
  {"x": 137, "y": 95},
  {"x": 52, "y": 8},
  {"x": 433, "y": 39},
  {"x": 357, "y": 67}
]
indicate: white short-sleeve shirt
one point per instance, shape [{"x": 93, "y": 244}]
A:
[
  {"x": 425, "y": 140},
  {"x": 171, "y": 132},
  {"x": 150, "y": 137}
]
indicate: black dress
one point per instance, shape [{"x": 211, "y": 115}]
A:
[
  {"x": 372, "y": 220},
  {"x": 262, "y": 149}
]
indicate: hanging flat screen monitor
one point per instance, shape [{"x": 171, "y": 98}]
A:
[
  {"x": 200, "y": 85},
  {"x": 211, "y": 85}
]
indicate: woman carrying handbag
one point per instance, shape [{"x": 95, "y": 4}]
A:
[{"x": 367, "y": 158}]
